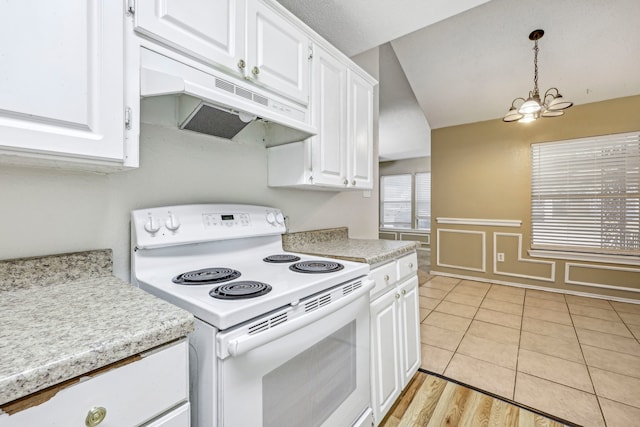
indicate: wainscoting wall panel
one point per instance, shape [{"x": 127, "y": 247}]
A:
[
  {"x": 620, "y": 278},
  {"x": 510, "y": 244},
  {"x": 462, "y": 249}
]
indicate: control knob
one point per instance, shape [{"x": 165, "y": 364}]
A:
[
  {"x": 172, "y": 222},
  {"x": 152, "y": 225},
  {"x": 271, "y": 218}
]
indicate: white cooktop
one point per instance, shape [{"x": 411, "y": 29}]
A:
[{"x": 160, "y": 256}]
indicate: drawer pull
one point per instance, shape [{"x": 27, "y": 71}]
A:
[
  {"x": 386, "y": 277},
  {"x": 397, "y": 296},
  {"x": 95, "y": 416},
  {"x": 410, "y": 265},
  {"x": 404, "y": 292}
]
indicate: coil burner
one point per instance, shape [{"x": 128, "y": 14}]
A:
[
  {"x": 240, "y": 290},
  {"x": 206, "y": 276},
  {"x": 316, "y": 266},
  {"x": 281, "y": 258}
]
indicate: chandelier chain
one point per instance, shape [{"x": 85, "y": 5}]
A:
[{"x": 535, "y": 69}]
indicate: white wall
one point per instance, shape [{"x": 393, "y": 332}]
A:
[
  {"x": 404, "y": 130},
  {"x": 49, "y": 211}
]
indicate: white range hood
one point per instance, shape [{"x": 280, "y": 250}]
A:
[{"x": 217, "y": 104}]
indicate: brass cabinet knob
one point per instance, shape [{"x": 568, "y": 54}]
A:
[
  {"x": 255, "y": 71},
  {"x": 241, "y": 64},
  {"x": 95, "y": 416}
]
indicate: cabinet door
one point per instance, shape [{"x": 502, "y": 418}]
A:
[
  {"x": 278, "y": 53},
  {"x": 360, "y": 133},
  {"x": 410, "y": 327},
  {"x": 210, "y": 30},
  {"x": 62, "y": 80},
  {"x": 329, "y": 156},
  {"x": 385, "y": 354}
]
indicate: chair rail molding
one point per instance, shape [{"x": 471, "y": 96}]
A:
[{"x": 480, "y": 221}]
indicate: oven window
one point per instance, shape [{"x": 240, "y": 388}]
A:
[{"x": 308, "y": 388}]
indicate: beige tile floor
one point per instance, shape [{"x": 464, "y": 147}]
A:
[{"x": 573, "y": 357}]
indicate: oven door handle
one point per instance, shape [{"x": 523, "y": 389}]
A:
[{"x": 245, "y": 343}]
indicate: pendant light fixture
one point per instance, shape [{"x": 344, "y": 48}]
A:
[{"x": 534, "y": 107}]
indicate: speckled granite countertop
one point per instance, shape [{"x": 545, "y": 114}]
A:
[
  {"x": 335, "y": 243},
  {"x": 69, "y": 316}
]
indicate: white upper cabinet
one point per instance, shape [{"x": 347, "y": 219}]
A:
[
  {"x": 211, "y": 31},
  {"x": 62, "y": 84},
  {"x": 340, "y": 157},
  {"x": 278, "y": 53},
  {"x": 360, "y": 134},
  {"x": 245, "y": 38},
  {"x": 329, "y": 115}
]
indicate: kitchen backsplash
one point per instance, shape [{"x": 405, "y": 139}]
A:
[
  {"x": 22, "y": 273},
  {"x": 302, "y": 238}
]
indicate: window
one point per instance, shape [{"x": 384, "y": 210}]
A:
[
  {"x": 586, "y": 194},
  {"x": 423, "y": 201},
  {"x": 405, "y": 201}
]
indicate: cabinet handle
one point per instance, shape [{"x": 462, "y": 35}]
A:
[
  {"x": 386, "y": 277},
  {"x": 95, "y": 416},
  {"x": 410, "y": 265},
  {"x": 397, "y": 296},
  {"x": 345, "y": 182},
  {"x": 404, "y": 292},
  {"x": 255, "y": 71},
  {"x": 353, "y": 182},
  {"x": 241, "y": 64}
]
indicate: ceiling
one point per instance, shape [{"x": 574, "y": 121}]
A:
[{"x": 465, "y": 61}]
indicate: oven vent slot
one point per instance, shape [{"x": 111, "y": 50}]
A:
[
  {"x": 317, "y": 303},
  {"x": 268, "y": 323},
  {"x": 351, "y": 287}
]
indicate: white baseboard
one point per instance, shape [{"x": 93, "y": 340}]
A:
[{"x": 540, "y": 288}]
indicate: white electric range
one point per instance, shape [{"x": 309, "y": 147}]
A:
[{"x": 288, "y": 331}]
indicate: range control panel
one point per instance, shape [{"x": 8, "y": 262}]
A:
[
  {"x": 226, "y": 220},
  {"x": 184, "y": 224}
]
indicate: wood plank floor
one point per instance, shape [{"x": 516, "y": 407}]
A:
[{"x": 430, "y": 401}]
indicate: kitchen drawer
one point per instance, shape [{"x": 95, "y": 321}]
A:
[
  {"x": 384, "y": 276},
  {"x": 179, "y": 417},
  {"x": 132, "y": 394},
  {"x": 407, "y": 265}
]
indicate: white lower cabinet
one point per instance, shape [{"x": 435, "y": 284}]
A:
[
  {"x": 395, "y": 332},
  {"x": 151, "y": 391}
]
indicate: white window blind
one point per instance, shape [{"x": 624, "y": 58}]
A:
[
  {"x": 395, "y": 201},
  {"x": 586, "y": 194},
  {"x": 423, "y": 201}
]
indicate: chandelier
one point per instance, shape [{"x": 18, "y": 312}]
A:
[{"x": 552, "y": 104}]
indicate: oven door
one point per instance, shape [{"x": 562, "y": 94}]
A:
[{"x": 311, "y": 369}]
